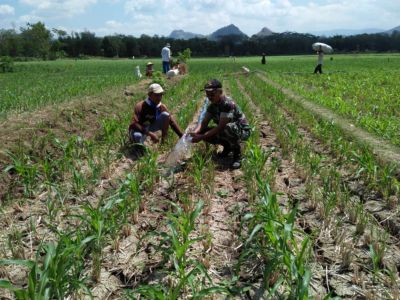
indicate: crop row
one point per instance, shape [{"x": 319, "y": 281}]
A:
[
  {"x": 75, "y": 171},
  {"x": 367, "y": 96},
  {"x": 325, "y": 183}
]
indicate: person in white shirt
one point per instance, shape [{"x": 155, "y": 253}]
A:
[
  {"x": 318, "y": 68},
  {"x": 166, "y": 56}
]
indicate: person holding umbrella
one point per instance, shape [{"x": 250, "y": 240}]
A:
[
  {"x": 318, "y": 68},
  {"x": 263, "y": 59}
]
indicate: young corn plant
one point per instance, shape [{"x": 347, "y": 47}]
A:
[
  {"x": 188, "y": 276},
  {"x": 26, "y": 170},
  {"x": 377, "y": 250},
  {"x": 272, "y": 238},
  {"x": 253, "y": 166},
  {"x": 199, "y": 166},
  {"x": 56, "y": 273},
  {"x": 148, "y": 174}
]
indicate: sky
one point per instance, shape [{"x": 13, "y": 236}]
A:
[{"x": 136, "y": 17}]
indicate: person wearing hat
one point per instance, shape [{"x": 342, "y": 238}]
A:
[
  {"x": 166, "y": 57},
  {"x": 149, "y": 69},
  {"x": 151, "y": 115},
  {"x": 231, "y": 124}
]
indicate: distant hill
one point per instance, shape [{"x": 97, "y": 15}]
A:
[
  {"x": 230, "y": 30},
  {"x": 183, "y": 35},
  {"x": 264, "y": 32},
  {"x": 393, "y": 30}
]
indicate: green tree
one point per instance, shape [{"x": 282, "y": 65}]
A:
[
  {"x": 185, "y": 55},
  {"x": 10, "y": 43},
  {"x": 6, "y": 64},
  {"x": 36, "y": 39}
]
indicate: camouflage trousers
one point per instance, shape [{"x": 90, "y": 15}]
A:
[{"x": 230, "y": 136}]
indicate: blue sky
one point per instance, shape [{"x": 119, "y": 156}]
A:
[{"x": 136, "y": 17}]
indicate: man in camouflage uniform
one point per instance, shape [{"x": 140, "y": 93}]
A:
[{"x": 231, "y": 124}]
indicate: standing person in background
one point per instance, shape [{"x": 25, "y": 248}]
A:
[
  {"x": 263, "y": 59},
  {"x": 151, "y": 115},
  {"x": 318, "y": 68},
  {"x": 166, "y": 57},
  {"x": 231, "y": 124}
]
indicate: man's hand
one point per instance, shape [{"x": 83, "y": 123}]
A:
[
  {"x": 154, "y": 137},
  {"x": 196, "y": 137}
]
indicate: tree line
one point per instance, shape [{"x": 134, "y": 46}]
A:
[{"x": 36, "y": 41}]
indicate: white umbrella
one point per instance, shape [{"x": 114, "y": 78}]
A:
[{"x": 324, "y": 47}]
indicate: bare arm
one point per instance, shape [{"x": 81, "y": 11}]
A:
[
  {"x": 175, "y": 127},
  {"x": 196, "y": 137},
  {"x": 203, "y": 124},
  {"x": 135, "y": 119}
]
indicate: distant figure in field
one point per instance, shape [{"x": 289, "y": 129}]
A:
[
  {"x": 263, "y": 59},
  {"x": 318, "y": 68},
  {"x": 149, "y": 69},
  {"x": 151, "y": 115},
  {"x": 137, "y": 72},
  {"x": 166, "y": 57},
  {"x": 230, "y": 125}
]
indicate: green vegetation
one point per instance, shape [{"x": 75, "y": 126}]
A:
[
  {"x": 311, "y": 213},
  {"x": 36, "y": 84},
  {"x": 36, "y": 41}
]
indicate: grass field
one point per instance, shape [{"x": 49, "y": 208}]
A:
[{"x": 312, "y": 214}]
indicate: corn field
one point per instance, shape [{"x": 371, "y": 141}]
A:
[{"x": 313, "y": 213}]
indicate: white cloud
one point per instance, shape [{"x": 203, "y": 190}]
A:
[
  {"x": 28, "y": 19},
  {"x": 6, "y": 10},
  {"x": 59, "y": 8},
  {"x": 150, "y": 6},
  {"x": 205, "y": 16}
]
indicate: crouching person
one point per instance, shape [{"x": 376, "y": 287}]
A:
[
  {"x": 151, "y": 115},
  {"x": 231, "y": 124}
]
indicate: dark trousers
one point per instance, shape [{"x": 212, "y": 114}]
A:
[
  {"x": 228, "y": 137},
  {"x": 165, "y": 65},
  {"x": 318, "y": 69}
]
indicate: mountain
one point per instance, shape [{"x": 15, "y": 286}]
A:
[
  {"x": 393, "y": 30},
  {"x": 183, "y": 35},
  {"x": 264, "y": 32},
  {"x": 230, "y": 30},
  {"x": 346, "y": 32}
]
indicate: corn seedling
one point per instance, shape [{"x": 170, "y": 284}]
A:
[
  {"x": 26, "y": 170},
  {"x": 272, "y": 238},
  {"x": 188, "y": 275},
  {"x": 377, "y": 250},
  {"x": 55, "y": 274}
]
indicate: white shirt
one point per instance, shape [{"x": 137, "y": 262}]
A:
[
  {"x": 165, "y": 54},
  {"x": 320, "y": 58}
]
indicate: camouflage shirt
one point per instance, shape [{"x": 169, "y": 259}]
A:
[{"x": 227, "y": 108}]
